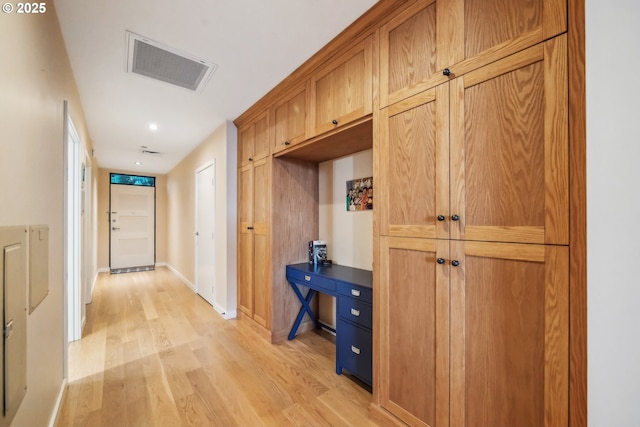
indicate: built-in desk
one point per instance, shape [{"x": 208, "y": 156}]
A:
[{"x": 352, "y": 288}]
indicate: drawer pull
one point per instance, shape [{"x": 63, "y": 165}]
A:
[
  {"x": 354, "y": 349},
  {"x": 355, "y": 312},
  {"x": 355, "y": 292},
  {"x": 307, "y": 278}
]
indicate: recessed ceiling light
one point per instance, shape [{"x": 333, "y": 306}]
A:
[
  {"x": 138, "y": 163},
  {"x": 153, "y": 126}
]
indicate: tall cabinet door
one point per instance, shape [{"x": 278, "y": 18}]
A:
[
  {"x": 245, "y": 240},
  {"x": 509, "y": 149},
  {"x": 414, "y": 330},
  {"x": 290, "y": 120},
  {"x": 509, "y": 334},
  {"x": 414, "y": 165},
  {"x": 262, "y": 254}
]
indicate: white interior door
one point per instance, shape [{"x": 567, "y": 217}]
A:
[
  {"x": 205, "y": 233},
  {"x": 132, "y": 227}
]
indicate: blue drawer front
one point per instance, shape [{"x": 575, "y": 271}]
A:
[
  {"x": 353, "y": 291},
  {"x": 308, "y": 279},
  {"x": 355, "y": 311},
  {"x": 354, "y": 350}
]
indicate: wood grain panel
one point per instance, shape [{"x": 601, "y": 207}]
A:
[
  {"x": 491, "y": 22},
  {"x": 290, "y": 118},
  {"x": 509, "y": 149},
  {"x": 578, "y": 224},
  {"x": 294, "y": 222},
  {"x": 246, "y": 144},
  {"x": 408, "y": 49},
  {"x": 261, "y": 243},
  {"x": 343, "y": 89},
  {"x": 415, "y": 328},
  {"x": 415, "y": 153},
  {"x": 509, "y": 328},
  {"x": 245, "y": 240},
  {"x": 262, "y": 141}
]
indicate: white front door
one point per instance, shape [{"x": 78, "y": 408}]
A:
[
  {"x": 204, "y": 233},
  {"x": 132, "y": 227}
]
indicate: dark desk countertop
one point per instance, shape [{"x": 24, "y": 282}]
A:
[{"x": 341, "y": 273}]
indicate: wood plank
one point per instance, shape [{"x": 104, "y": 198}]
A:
[{"x": 220, "y": 373}]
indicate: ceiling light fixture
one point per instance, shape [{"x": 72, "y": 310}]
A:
[
  {"x": 138, "y": 163},
  {"x": 153, "y": 126}
]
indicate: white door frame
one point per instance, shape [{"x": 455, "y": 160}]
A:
[
  {"x": 72, "y": 230},
  {"x": 210, "y": 164}
]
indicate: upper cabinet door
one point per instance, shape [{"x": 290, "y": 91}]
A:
[
  {"x": 253, "y": 141},
  {"x": 290, "y": 118},
  {"x": 415, "y": 46},
  {"x": 342, "y": 91},
  {"x": 433, "y": 41},
  {"x": 509, "y": 149},
  {"x": 414, "y": 165}
]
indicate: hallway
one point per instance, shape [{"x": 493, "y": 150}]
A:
[{"x": 153, "y": 353}]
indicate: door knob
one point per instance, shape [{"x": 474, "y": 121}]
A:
[
  {"x": 196, "y": 234},
  {"x": 335, "y": 122},
  {"x": 440, "y": 260},
  {"x": 455, "y": 263},
  {"x": 440, "y": 217},
  {"x": 455, "y": 217}
]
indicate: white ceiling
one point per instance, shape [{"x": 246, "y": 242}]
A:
[{"x": 255, "y": 43}]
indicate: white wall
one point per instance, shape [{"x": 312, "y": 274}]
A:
[
  {"x": 349, "y": 235},
  {"x": 613, "y": 209},
  {"x": 221, "y": 145}
]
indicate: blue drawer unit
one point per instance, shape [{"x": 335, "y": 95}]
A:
[
  {"x": 353, "y": 336},
  {"x": 352, "y": 288}
]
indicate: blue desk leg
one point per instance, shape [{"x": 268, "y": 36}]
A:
[{"x": 304, "y": 309}]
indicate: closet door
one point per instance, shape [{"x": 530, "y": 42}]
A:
[
  {"x": 509, "y": 334},
  {"x": 245, "y": 240},
  {"x": 414, "y": 330},
  {"x": 414, "y": 165},
  {"x": 262, "y": 252},
  {"x": 509, "y": 149}
]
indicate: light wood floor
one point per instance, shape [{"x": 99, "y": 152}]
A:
[{"x": 155, "y": 354}]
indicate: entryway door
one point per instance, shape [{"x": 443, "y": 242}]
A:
[
  {"x": 205, "y": 232},
  {"x": 132, "y": 227}
]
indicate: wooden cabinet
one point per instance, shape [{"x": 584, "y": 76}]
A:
[
  {"x": 430, "y": 36},
  {"x": 484, "y": 157},
  {"x": 253, "y": 140},
  {"x": 290, "y": 118},
  {"x": 473, "y": 272},
  {"x": 474, "y": 333},
  {"x": 254, "y": 286},
  {"x": 342, "y": 91}
]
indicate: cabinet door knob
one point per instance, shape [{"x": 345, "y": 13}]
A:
[
  {"x": 446, "y": 72},
  {"x": 251, "y": 159},
  {"x": 455, "y": 217},
  {"x": 440, "y": 217},
  {"x": 440, "y": 260},
  {"x": 455, "y": 263},
  {"x": 287, "y": 143},
  {"x": 335, "y": 122}
]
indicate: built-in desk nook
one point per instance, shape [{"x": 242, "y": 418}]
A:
[{"x": 352, "y": 288}]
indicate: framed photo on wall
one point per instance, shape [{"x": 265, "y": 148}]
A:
[{"x": 360, "y": 194}]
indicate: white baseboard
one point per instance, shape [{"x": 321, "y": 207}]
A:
[
  {"x": 226, "y": 314},
  {"x": 104, "y": 270},
  {"x": 161, "y": 264},
  {"x": 56, "y": 408},
  {"x": 181, "y": 277}
]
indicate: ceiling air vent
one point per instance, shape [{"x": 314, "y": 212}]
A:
[
  {"x": 152, "y": 59},
  {"x": 150, "y": 152}
]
